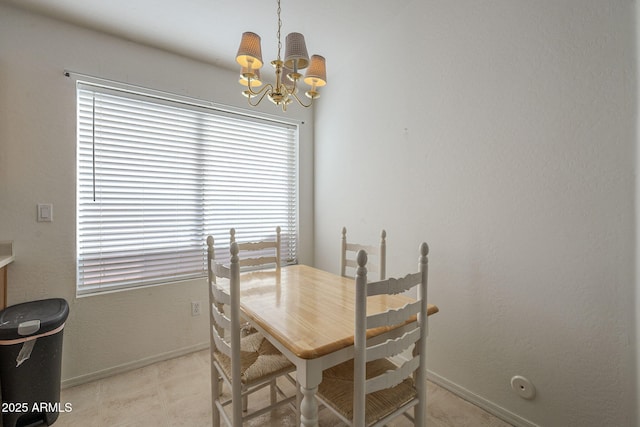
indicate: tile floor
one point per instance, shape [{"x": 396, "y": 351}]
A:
[{"x": 177, "y": 393}]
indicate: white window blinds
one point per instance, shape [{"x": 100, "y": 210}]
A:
[{"x": 155, "y": 177}]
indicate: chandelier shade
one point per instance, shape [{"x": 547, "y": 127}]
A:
[
  {"x": 295, "y": 54},
  {"x": 255, "y": 80},
  {"x": 316, "y": 75},
  {"x": 250, "y": 51},
  {"x": 285, "y": 88}
]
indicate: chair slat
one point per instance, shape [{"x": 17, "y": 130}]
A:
[
  {"x": 220, "y": 296},
  {"x": 392, "y": 347},
  {"x": 392, "y": 378},
  {"x": 221, "y": 345},
  {"x": 252, "y": 262},
  {"x": 255, "y": 246},
  {"x": 352, "y": 263},
  {"x": 221, "y": 271},
  {"x": 220, "y": 318},
  {"x": 393, "y": 317},
  {"x": 393, "y": 285},
  {"x": 355, "y": 247}
]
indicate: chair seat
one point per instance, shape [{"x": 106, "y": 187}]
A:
[
  {"x": 336, "y": 390},
  {"x": 259, "y": 359}
]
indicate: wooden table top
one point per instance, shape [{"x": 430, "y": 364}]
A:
[{"x": 310, "y": 311}]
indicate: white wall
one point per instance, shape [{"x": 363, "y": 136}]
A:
[
  {"x": 37, "y": 165},
  {"x": 503, "y": 133}
]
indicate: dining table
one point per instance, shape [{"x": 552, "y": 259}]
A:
[{"x": 309, "y": 315}]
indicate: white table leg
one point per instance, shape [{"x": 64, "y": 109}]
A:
[
  {"x": 309, "y": 376},
  {"x": 309, "y": 407}
]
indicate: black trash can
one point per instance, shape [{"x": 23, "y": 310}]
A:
[{"x": 31, "y": 362}]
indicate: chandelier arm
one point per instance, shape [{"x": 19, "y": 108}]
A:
[
  {"x": 262, "y": 91},
  {"x": 300, "y": 101},
  {"x": 292, "y": 93}
]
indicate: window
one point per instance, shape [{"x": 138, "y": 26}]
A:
[{"x": 156, "y": 176}]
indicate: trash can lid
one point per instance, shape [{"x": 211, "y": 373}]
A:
[{"x": 33, "y": 317}]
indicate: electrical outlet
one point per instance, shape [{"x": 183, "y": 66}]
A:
[{"x": 195, "y": 308}]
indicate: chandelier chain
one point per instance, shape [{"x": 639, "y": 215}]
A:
[{"x": 279, "y": 27}]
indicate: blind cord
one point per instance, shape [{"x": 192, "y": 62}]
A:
[{"x": 93, "y": 145}]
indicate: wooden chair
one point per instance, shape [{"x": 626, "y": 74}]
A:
[
  {"x": 349, "y": 251},
  {"x": 370, "y": 389},
  {"x": 244, "y": 362}
]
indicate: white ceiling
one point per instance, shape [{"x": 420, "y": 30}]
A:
[{"x": 210, "y": 30}]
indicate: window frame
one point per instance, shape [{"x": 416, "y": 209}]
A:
[{"x": 163, "y": 98}]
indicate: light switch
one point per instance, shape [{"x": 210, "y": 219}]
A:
[{"x": 45, "y": 212}]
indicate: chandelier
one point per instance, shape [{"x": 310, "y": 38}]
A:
[{"x": 285, "y": 88}]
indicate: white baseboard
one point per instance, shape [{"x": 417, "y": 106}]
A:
[
  {"x": 467, "y": 395},
  {"x": 481, "y": 402},
  {"x": 454, "y": 388},
  {"x": 70, "y": 382}
]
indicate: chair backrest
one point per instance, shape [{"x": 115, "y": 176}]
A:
[
  {"x": 224, "y": 293},
  {"x": 349, "y": 250},
  {"x": 225, "y": 324},
  {"x": 417, "y": 334},
  {"x": 257, "y": 254}
]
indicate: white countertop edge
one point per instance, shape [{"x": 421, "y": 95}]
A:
[{"x": 6, "y": 253}]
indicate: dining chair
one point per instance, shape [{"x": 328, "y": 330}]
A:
[
  {"x": 244, "y": 362},
  {"x": 371, "y": 389},
  {"x": 349, "y": 250}
]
